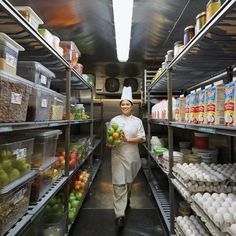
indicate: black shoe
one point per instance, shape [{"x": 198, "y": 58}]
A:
[{"x": 120, "y": 222}]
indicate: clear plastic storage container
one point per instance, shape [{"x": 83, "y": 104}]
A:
[
  {"x": 43, "y": 181},
  {"x": 40, "y": 104},
  {"x": 14, "y": 97},
  {"x": 35, "y": 72},
  {"x": 58, "y": 106},
  {"x": 46, "y": 35},
  {"x": 15, "y": 159},
  {"x": 70, "y": 52},
  {"x": 45, "y": 144},
  {"x": 30, "y": 16},
  {"x": 14, "y": 201},
  {"x": 9, "y": 50}
]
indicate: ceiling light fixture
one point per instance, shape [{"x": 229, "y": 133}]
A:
[{"x": 122, "y": 11}]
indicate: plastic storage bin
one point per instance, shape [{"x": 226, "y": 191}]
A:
[
  {"x": 43, "y": 181},
  {"x": 9, "y": 50},
  {"x": 30, "y": 16},
  {"x": 14, "y": 97},
  {"x": 46, "y": 35},
  {"x": 35, "y": 72},
  {"x": 14, "y": 201},
  {"x": 57, "y": 106},
  {"x": 40, "y": 104},
  {"x": 15, "y": 159},
  {"x": 45, "y": 144},
  {"x": 70, "y": 52}
]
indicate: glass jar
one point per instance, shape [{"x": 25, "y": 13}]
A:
[
  {"x": 189, "y": 33},
  {"x": 178, "y": 47},
  {"x": 200, "y": 21},
  {"x": 211, "y": 9}
]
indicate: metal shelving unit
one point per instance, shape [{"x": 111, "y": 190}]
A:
[
  {"x": 37, "y": 49},
  {"x": 207, "y": 56}
]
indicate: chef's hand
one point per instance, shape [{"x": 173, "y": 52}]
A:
[
  {"x": 110, "y": 145},
  {"x": 122, "y": 137}
]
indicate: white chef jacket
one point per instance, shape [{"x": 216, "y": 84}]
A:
[{"x": 125, "y": 157}]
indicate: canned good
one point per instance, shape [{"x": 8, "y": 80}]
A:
[
  {"x": 211, "y": 9},
  {"x": 189, "y": 33},
  {"x": 200, "y": 21},
  {"x": 178, "y": 47}
]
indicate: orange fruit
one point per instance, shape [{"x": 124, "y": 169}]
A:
[{"x": 115, "y": 135}]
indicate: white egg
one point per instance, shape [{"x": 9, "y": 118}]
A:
[
  {"x": 233, "y": 204},
  {"x": 216, "y": 204},
  {"x": 233, "y": 229},
  {"x": 188, "y": 232},
  {"x": 211, "y": 210},
  {"x": 228, "y": 218},
  {"x": 226, "y": 204},
  {"x": 218, "y": 218},
  {"x": 197, "y": 195},
  {"x": 229, "y": 200},
  {"x": 231, "y": 195},
  {"x": 223, "y": 196},
  {"x": 222, "y": 210},
  {"x": 231, "y": 210},
  {"x": 206, "y": 195},
  {"x": 215, "y": 195},
  {"x": 205, "y": 206}
]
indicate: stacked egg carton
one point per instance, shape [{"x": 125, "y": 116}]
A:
[
  {"x": 207, "y": 178},
  {"x": 220, "y": 208},
  {"x": 182, "y": 189},
  {"x": 190, "y": 225}
]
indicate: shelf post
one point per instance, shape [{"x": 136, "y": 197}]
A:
[
  {"x": 149, "y": 134},
  {"x": 170, "y": 147},
  {"x": 91, "y": 126}
]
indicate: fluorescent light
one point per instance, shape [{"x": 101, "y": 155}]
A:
[{"x": 122, "y": 10}]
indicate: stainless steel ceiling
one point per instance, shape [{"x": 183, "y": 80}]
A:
[{"x": 157, "y": 24}]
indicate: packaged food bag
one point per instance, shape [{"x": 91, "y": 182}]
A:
[{"x": 113, "y": 133}]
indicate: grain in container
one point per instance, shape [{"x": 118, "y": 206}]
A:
[
  {"x": 200, "y": 21},
  {"x": 9, "y": 51},
  {"x": 14, "y": 97},
  {"x": 35, "y": 72},
  {"x": 14, "y": 201},
  {"x": 57, "y": 106},
  {"x": 178, "y": 47},
  {"x": 211, "y": 8},
  {"x": 189, "y": 33},
  {"x": 48, "y": 37},
  {"x": 29, "y": 14}
]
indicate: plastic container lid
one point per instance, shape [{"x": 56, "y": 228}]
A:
[
  {"x": 212, "y": 151},
  {"x": 45, "y": 133},
  {"x": 17, "y": 183},
  {"x": 201, "y": 135},
  {"x": 7, "y": 41},
  {"x": 31, "y": 11},
  {"x": 46, "y": 165}
]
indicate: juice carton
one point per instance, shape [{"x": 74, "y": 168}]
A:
[
  {"x": 180, "y": 109},
  {"x": 187, "y": 108},
  {"x": 193, "y": 108},
  {"x": 229, "y": 106},
  {"x": 177, "y": 109},
  {"x": 202, "y": 106},
  {"x": 215, "y": 105}
]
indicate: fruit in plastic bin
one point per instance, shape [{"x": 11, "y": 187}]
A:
[
  {"x": 72, "y": 197},
  {"x": 13, "y": 174},
  {"x": 72, "y": 214},
  {"x": 4, "y": 179},
  {"x": 57, "y": 164},
  {"x": 73, "y": 155},
  {"x": 7, "y": 165},
  {"x": 72, "y": 164},
  {"x": 78, "y": 195},
  {"x": 61, "y": 158},
  {"x": 74, "y": 203},
  {"x": 6, "y": 154},
  {"x": 114, "y": 126},
  {"x": 52, "y": 231}
]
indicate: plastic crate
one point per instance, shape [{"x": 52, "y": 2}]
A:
[
  {"x": 15, "y": 159},
  {"x": 14, "y": 201},
  {"x": 35, "y": 72},
  {"x": 30, "y": 16},
  {"x": 57, "y": 106},
  {"x": 43, "y": 181},
  {"x": 40, "y": 104},
  {"x": 14, "y": 97},
  {"x": 9, "y": 50}
]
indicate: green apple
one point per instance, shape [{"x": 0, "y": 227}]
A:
[
  {"x": 7, "y": 165},
  {"x": 110, "y": 131},
  {"x": 4, "y": 179},
  {"x": 117, "y": 142},
  {"x": 110, "y": 139},
  {"x": 114, "y": 126},
  {"x": 75, "y": 203},
  {"x": 79, "y": 195},
  {"x": 13, "y": 174}
]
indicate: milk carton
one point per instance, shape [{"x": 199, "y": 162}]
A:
[
  {"x": 229, "y": 106},
  {"x": 180, "y": 109},
  {"x": 187, "y": 108},
  {"x": 201, "y": 107},
  {"x": 215, "y": 105},
  {"x": 193, "y": 108}
]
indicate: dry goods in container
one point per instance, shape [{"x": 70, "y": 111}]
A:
[
  {"x": 55, "y": 42},
  {"x": 70, "y": 52},
  {"x": 215, "y": 105},
  {"x": 189, "y": 33},
  {"x": 180, "y": 109},
  {"x": 169, "y": 56},
  {"x": 58, "y": 106},
  {"x": 15, "y": 158},
  {"x": 9, "y": 50},
  {"x": 177, "y": 158},
  {"x": 211, "y": 8},
  {"x": 35, "y": 72},
  {"x": 14, "y": 97},
  {"x": 178, "y": 47},
  {"x": 14, "y": 201},
  {"x": 40, "y": 104},
  {"x": 200, "y": 21},
  {"x": 30, "y": 16},
  {"x": 230, "y": 108},
  {"x": 46, "y": 35}
]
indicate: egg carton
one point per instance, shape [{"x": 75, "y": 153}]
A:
[
  {"x": 209, "y": 224},
  {"x": 184, "y": 191},
  {"x": 178, "y": 230}
]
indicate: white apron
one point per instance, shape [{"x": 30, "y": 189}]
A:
[{"x": 125, "y": 157}]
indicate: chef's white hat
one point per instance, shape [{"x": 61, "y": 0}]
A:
[{"x": 127, "y": 94}]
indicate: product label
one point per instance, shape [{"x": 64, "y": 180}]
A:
[
  {"x": 18, "y": 196},
  {"x": 201, "y": 107},
  {"x": 193, "y": 108},
  {"x": 229, "y": 106},
  {"x": 187, "y": 108},
  {"x": 44, "y": 103},
  {"x": 211, "y": 105},
  {"x": 43, "y": 79},
  {"x": 20, "y": 153},
  {"x": 16, "y": 98},
  {"x": 11, "y": 60}
]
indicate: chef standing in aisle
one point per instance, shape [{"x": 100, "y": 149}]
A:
[{"x": 125, "y": 157}]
